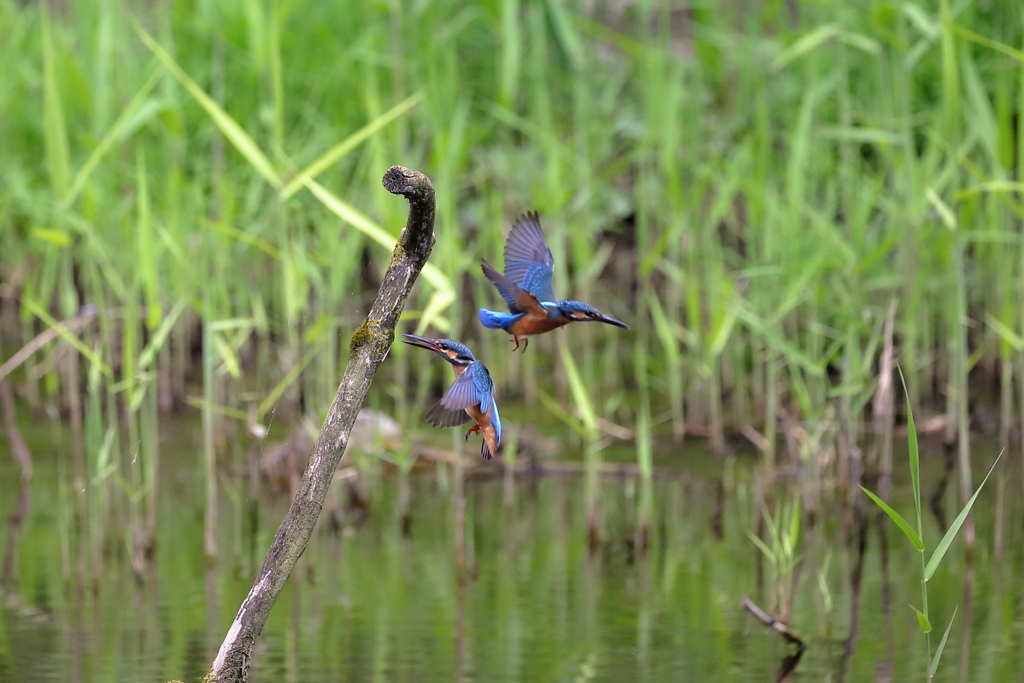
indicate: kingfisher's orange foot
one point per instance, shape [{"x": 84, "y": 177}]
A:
[
  {"x": 475, "y": 429},
  {"x": 516, "y": 347}
]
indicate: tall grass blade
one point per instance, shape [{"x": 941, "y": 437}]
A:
[
  {"x": 272, "y": 397},
  {"x": 580, "y": 393},
  {"x": 227, "y": 125},
  {"x": 113, "y": 135},
  {"x": 159, "y": 338},
  {"x": 55, "y": 134},
  {"x": 987, "y": 42},
  {"x": 914, "y": 455},
  {"x": 147, "y": 248},
  {"x": 805, "y": 44},
  {"x": 942, "y": 644},
  {"x": 363, "y": 224},
  {"x": 943, "y": 546},
  {"x": 38, "y": 311},
  {"x": 331, "y": 157},
  {"x": 896, "y": 517}
]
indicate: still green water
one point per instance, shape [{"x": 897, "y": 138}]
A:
[{"x": 369, "y": 604}]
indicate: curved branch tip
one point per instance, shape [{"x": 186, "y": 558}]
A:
[{"x": 407, "y": 182}]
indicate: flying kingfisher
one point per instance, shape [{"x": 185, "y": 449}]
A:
[
  {"x": 526, "y": 288},
  {"x": 470, "y": 397}
]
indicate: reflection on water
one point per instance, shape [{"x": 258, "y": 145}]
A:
[{"x": 370, "y": 603}]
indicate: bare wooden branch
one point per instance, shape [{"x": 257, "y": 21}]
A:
[
  {"x": 772, "y": 623},
  {"x": 368, "y": 347},
  {"x": 72, "y": 325}
]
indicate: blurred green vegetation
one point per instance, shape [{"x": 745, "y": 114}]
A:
[{"x": 753, "y": 182}]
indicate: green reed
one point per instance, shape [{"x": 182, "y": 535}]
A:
[
  {"x": 755, "y": 189},
  {"x": 916, "y": 537}
]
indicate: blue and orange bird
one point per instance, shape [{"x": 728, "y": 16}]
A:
[
  {"x": 526, "y": 288},
  {"x": 470, "y": 397}
]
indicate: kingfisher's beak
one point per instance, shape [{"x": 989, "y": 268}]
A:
[
  {"x": 612, "y": 321},
  {"x": 421, "y": 342}
]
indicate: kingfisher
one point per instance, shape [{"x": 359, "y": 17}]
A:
[
  {"x": 526, "y": 288},
  {"x": 470, "y": 397}
]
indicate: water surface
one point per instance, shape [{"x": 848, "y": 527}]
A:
[{"x": 370, "y": 604}]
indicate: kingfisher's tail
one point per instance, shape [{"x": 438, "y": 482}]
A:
[
  {"x": 485, "y": 452},
  {"x": 496, "y": 320}
]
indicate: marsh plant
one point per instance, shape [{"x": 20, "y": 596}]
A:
[{"x": 915, "y": 534}]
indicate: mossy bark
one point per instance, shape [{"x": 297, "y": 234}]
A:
[{"x": 368, "y": 347}]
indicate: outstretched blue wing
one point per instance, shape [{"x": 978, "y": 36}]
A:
[
  {"x": 439, "y": 416},
  {"x": 450, "y": 411},
  {"x": 528, "y": 261},
  {"x": 505, "y": 287},
  {"x": 519, "y": 300}
]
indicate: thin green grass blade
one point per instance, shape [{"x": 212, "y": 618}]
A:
[
  {"x": 943, "y": 546},
  {"x": 38, "y": 311},
  {"x": 794, "y": 522},
  {"x": 55, "y": 133},
  {"x": 1006, "y": 334},
  {"x": 220, "y": 410},
  {"x": 942, "y": 644},
  {"x": 439, "y": 302},
  {"x": 112, "y": 136},
  {"x": 805, "y": 44},
  {"x": 228, "y": 126},
  {"x": 988, "y": 42},
  {"x": 762, "y": 547},
  {"x": 580, "y": 393},
  {"x": 234, "y": 233},
  {"x": 566, "y": 33},
  {"x": 231, "y": 362},
  {"x": 156, "y": 342},
  {"x": 914, "y": 455},
  {"x": 147, "y": 248},
  {"x": 331, "y": 157},
  {"x": 511, "y": 53},
  {"x": 896, "y": 517},
  {"x": 556, "y": 409},
  {"x": 363, "y": 224},
  {"x": 271, "y": 399}
]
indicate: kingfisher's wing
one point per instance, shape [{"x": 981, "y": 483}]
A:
[
  {"x": 528, "y": 261},
  {"x": 450, "y": 411},
  {"x": 518, "y": 300},
  {"x": 483, "y": 386},
  {"x": 462, "y": 393},
  {"x": 505, "y": 287},
  {"x": 439, "y": 416}
]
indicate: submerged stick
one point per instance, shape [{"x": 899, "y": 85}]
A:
[
  {"x": 368, "y": 348},
  {"x": 772, "y": 623}
]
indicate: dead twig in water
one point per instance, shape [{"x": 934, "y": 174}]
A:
[
  {"x": 790, "y": 661},
  {"x": 368, "y": 348},
  {"x": 771, "y": 622}
]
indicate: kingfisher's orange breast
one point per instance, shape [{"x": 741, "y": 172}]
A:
[
  {"x": 530, "y": 325},
  {"x": 487, "y": 429}
]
